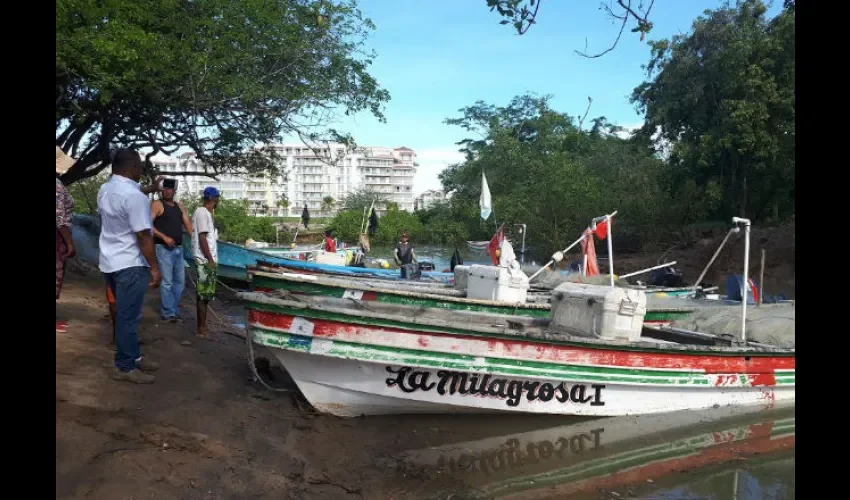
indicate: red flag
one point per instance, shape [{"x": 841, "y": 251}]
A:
[
  {"x": 588, "y": 249},
  {"x": 601, "y": 230},
  {"x": 495, "y": 243}
]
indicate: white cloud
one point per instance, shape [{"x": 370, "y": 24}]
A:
[
  {"x": 431, "y": 162},
  {"x": 628, "y": 130}
]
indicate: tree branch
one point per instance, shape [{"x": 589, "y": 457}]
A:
[
  {"x": 640, "y": 16},
  {"x": 616, "y": 41},
  {"x": 586, "y": 111}
]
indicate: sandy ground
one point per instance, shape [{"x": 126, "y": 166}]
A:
[{"x": 205, "y": 430}]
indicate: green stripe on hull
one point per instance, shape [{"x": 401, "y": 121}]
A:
[
  {"x": 391, "y": 298},
  {"x": 403, "y": 325},
  {"x": 464, "y": 362},
  {"x": 664, "y": 316}
]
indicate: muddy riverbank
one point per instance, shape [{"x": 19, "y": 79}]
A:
[{"x": 204, "y": 430}]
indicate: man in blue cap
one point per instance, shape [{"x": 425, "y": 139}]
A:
[{"x": 205, "y": 251}]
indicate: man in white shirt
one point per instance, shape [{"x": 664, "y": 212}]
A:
[
  {"x": 127, "y": 260},
  {"x": 205, "y": 251}
]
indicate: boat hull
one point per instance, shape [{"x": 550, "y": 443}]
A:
[
  {"x": 234, "y": 260},
  {"x": 348, "y": 367},
  {"x": 265, "y": 283},
  {"x": 350, "y": 388},
  {"x": 302, "y": 267}
]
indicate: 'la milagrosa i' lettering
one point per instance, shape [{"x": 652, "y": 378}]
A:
[{"x": 512, "y": 391}]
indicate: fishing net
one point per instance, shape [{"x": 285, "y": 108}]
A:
[{"x": 767, "y": 324}]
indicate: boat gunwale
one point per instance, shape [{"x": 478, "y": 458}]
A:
[
  {"x": 304, "y": 267},
  {"x": 404, "y": 293},
  {"x": 271, "y": 304}
]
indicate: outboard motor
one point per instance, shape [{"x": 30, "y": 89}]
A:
[
  {"x": 666, "y": 277},
  {"x": 410, "y": 272},
  {"x": 426, "y": 266}
]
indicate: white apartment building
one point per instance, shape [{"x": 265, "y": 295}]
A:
[
  {"x": 312, "y": 174},
  {"x": 427, "y": 199}
]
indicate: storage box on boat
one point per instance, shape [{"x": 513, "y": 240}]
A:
[
  {"x": 461, "y": 277},
  {"x": 331, "y": 259},
  {"x": 596, "y": 310},
  {"x": 496, "y": 283}
]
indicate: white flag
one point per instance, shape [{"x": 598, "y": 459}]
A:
[{"x": 484, "y": 202}]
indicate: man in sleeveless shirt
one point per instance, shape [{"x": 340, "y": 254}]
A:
[
  {"x": 169, "y": 219},
  {"x": 403, "y": 253}
]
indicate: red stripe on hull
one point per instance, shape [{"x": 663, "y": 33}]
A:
[{"x": 710, "y": 363}]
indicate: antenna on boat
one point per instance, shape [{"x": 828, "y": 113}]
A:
[
  {"x": 746, "y": 223},
  {"x": 732, "y": 231}
]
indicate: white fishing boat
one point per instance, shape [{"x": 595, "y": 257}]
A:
[{"x": 592, "y": 358}]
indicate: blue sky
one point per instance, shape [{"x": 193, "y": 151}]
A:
[{"x": 437, "y": 56}]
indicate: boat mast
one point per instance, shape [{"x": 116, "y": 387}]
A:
[{"x": 746, "y": 223}]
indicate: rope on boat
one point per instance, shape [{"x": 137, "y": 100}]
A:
[{"x": 249, "y": 340}]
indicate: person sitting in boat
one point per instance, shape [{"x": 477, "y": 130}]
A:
[
  {"x": 403, "y": 253},
  {"x": 330, "y": 244}
]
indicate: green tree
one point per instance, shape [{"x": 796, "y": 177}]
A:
[
  {"x": 723, "y": 98},
  {"x": 395, "y": 222},
  {"x": 328, "y": 203},
  {"x": 85, "y": 193},
  {"x": 346, "y": 225},
  {"x": 546, "y": 172},
  {"x": 283, "y": 202},
  {"x": 216, "y": 76},
  {"x": 443, "y": 224},
  {"x": 363, "y": 198},
  {"x": 234, "y": 223},
  {"x": 522, "y": 14}
]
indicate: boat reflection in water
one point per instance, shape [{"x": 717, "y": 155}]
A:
[{"x": 721, "y": 453}]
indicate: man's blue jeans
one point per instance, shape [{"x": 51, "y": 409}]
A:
[
  {"x": 129, "y": 286},
  {"x": 173, "y": 279}
]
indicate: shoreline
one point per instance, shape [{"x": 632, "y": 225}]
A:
[{"x": 206, "y": 430}]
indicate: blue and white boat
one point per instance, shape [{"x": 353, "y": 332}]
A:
[
  {"x": 233, "y": 259},
  {"x": 306, "y": 267}
]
